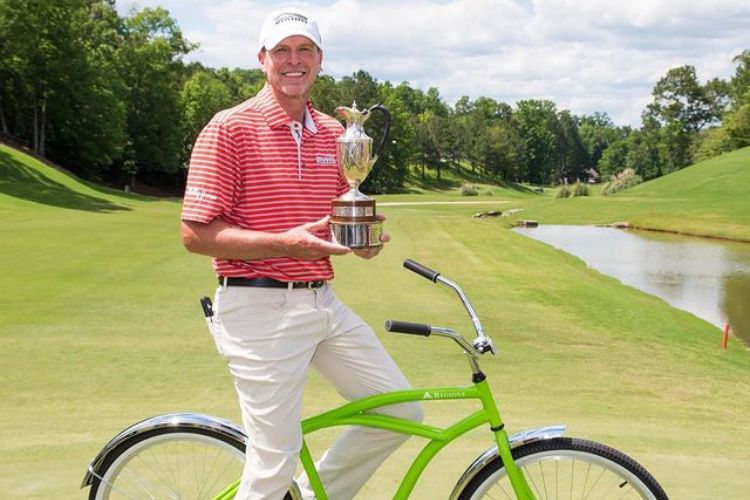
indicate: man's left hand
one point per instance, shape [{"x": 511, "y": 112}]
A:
[{"x": 370, "y": 252}]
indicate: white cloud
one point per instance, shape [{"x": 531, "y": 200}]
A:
[{"x": 585, "y": 55}]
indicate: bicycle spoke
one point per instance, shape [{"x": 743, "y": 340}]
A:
[
  {"x": 563, "y": 475},
  {"x": 184, "y": 466}
]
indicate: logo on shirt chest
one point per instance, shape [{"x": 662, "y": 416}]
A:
[{"x": 325, "y": 160}]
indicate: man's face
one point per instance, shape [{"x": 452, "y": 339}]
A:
[{"x": 291, "y": 66}]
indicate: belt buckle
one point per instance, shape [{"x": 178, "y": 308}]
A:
[{"x": 308, "y": 285}]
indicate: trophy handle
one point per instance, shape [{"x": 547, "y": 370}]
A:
[{"x": 387, "y": 116}]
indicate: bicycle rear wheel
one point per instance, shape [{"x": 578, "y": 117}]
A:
[
  {"x": 563, "y": 468},
  {"x": 177, "y": 462}
]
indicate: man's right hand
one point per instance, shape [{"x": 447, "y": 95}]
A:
[
  {"x": 224, "y": 241},
  {"x": 303, "y": 242}
]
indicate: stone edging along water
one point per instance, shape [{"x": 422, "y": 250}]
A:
[{"x": 627, "y": 225}]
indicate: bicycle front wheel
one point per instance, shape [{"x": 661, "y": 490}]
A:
[
  {"x": 563, "y": 468},
  {"x": 178, "y": 462}
]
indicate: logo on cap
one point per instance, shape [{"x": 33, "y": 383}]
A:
[{"x": 282, "y": 18}]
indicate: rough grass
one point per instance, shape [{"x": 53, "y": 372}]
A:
[{"x": 101, "y": 327}]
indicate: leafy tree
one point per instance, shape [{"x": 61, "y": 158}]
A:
[
  {"x": 360, "y": 87},
  {"x": 241, "y": 83},
  {"x": 536, "y": 120},
  {"x": 392, "y": 168},
  {"x": 614, "y": 159},
  {"x": 737, "y": 121},
  {"x": 735, "y": 129},
  {"x": 680, "y": 109},
  {"x": 90, "y": 126},
  {"x": 740, "y": 83},
  {"x": 201, "y": 97},
  {"x": 59, "y": 92},
  {"x": 427, "y": 142},
  {"x": 472, "y": 121},
  {"x": 711, "y": 142},
  {"x": 325, "y": 95},
  {"x": 434, "y": 103},
  {"x": 597, "y": 132},
  {"x": 642, "y": 155},
  {"x": 572, "y": 158},
  {"x": 503, "y": 150},
  {"x": 680, "y": 98},
  {"x": 150, "y": 61},
  {"x": 36, "y": 37}
]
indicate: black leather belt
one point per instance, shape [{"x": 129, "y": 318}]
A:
[{"x": 269, "y": 283}]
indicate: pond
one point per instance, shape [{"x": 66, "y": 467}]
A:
[{"x": 709, "y": 278}]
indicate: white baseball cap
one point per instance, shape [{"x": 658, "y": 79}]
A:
[{"x": 285, "y": 23}]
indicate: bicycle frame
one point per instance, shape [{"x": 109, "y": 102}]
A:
[{"x": 354, "y": 414}]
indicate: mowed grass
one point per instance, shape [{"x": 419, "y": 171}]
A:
[
  {"x": 711, "y": 198},
  {"x": 101, "y": 327}
]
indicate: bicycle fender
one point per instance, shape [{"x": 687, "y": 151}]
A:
[
  {"x": 221, "y": 426},
  {"x": 516, "y": 440}
]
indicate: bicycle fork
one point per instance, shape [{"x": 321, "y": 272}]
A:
[{"x": 516, "y": 477}]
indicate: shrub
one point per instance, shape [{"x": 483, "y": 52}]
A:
[
  {"x": 469, "y": 190},
  {"x": 622, "y": 181},
  {"x": 580, "y": 189},
  {"x": 563, "y": 191}
]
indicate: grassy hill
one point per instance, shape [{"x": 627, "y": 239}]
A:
[
  {"x": 101, "y": 327},
  {"x": 711, "y": 198},
  {"x": 25, "y": 180}
]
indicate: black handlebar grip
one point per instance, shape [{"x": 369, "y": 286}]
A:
[
  {"x": 421, "y": 270},
  {"x": 406, "y": 327}
]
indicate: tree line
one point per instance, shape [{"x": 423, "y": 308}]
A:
[{"x": 110, "y": 98}]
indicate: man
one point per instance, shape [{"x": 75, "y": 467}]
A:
[{"x": 258, "y": 199}]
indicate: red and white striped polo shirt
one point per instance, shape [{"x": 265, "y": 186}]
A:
[{"x": 256, "y": 168}]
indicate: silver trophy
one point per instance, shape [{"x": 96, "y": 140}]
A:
[{"x": 354, "y": 220}]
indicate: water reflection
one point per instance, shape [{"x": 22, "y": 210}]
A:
[{"x": 709, "y": 278}]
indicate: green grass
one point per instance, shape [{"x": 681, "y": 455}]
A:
[
  {"x": 706, "y": 199},
  {"x": 101, "y": 327}
]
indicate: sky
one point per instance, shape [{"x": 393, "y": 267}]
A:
[{"x": 584, "y": 55}]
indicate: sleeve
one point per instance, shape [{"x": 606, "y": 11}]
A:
[{"x": 213, "y": 175}]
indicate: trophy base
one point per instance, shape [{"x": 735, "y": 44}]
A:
[
  {"x": 358, "y": 234},
  {"x": 355, "y": 224}
]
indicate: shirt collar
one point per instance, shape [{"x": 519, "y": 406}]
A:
[
  {"x": 275, "y": 115},
  {"x": 309, "y": 120}
]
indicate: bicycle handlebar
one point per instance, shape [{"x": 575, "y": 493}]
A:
[
  {"x": 406, "y": 327},
  {"x": 421, "y": 270},
  {"x": 481, "y": 344}
]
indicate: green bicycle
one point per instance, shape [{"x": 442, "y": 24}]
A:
[{"x": 194, "y": 456}]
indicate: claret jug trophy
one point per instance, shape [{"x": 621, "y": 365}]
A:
[{"x": 354, "y": 220}]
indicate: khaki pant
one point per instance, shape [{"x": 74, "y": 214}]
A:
[{"x": 269, "y": 337}]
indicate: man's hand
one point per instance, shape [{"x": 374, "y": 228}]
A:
[
  {"x": 305, "y": 241},
  {"x": 369, "y": 253}
]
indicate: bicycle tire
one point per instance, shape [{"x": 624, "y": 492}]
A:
[
  {"x": 567, "y": 468},
  {"x": 176, "y": 462}
]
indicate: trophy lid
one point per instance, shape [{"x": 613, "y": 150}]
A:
[{"x": 354, "y": 117}]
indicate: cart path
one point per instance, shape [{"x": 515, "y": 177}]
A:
[{"x": 403, "y": 203}]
